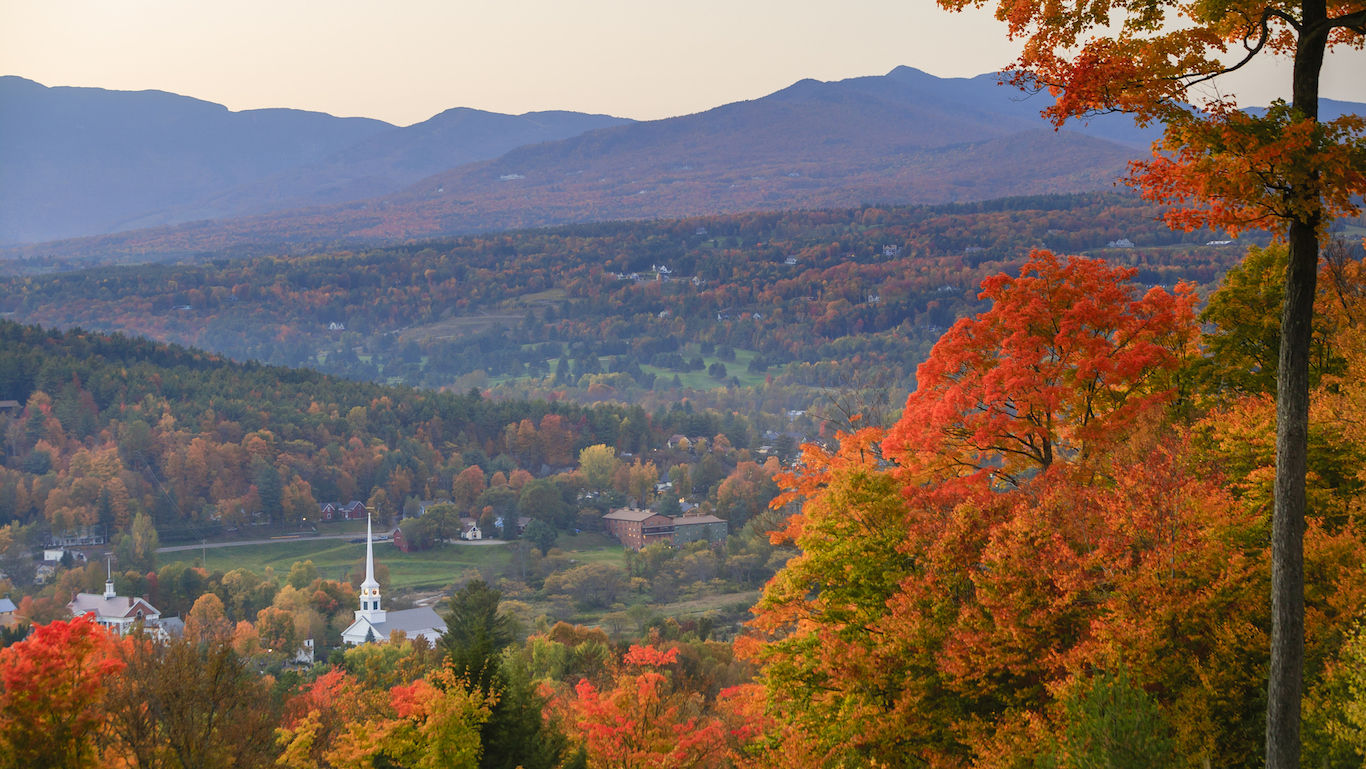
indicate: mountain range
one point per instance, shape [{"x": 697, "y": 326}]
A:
[
  {"x": 86, "y": 161},
  {"x": 904, "y": 137}
]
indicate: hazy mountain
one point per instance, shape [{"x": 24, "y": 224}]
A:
[
  {"x": 77, "y": 161},
  {"x": 905, "y": 137},
  {"x": 388, "y": 162},
  {"x": 80, "y": 161}
]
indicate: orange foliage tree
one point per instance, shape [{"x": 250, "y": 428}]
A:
[
  {"x": 1066, "y": 357},
  {"x": 53, "y": 686},
  {"x": 645, "y": 720},
  {"x": 1283, "y": 170},
  {"x": 938, "y": 619}
]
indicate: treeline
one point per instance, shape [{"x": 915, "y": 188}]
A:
[{"x": 111, "y": 427}]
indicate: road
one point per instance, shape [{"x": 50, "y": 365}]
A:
[
  {"x": 302, "y": 538},
  {"x": 211, "y": 545}
]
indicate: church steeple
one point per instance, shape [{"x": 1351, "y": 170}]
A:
[
  {"x": 109, "y": 583},
  {"x": 369, "y": 589}
]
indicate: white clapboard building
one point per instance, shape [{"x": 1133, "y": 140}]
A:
[{"x": 373, "y": 624}]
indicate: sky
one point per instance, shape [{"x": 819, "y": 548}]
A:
[{"x": 405, "y": 60}]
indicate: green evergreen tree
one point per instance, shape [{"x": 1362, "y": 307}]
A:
[{"x": 476, "y": 634}]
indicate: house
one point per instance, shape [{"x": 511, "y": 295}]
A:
[
  {"x": 353, "y": 510},
  {"x": 373, "y": 624},
  {"x": 336, "y": 326},
  {"x": 791, "y": 260},
  {"x": 10, "y": 407},
  {"x": 678, "y": 441},
  {"x": 891, "y": 250},
  {"x": 637, "y": 528},
  {"x": 85, "y": 535},
  {"x": 469, "y": 530},
  {"x": 1121, "y": 243},
  {"x": 402, "y": 542},
  {"x": 423, "y": 504},
  {"x": 7, "y": 609},
  {"x": 115, "y": 612},
  {"x": 699, "y": 528}
]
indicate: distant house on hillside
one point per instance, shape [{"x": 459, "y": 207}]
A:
[
  {"x": 353, "y": 510},
  {"x": 1121, "y": 243},
  {"x": 469, "y": 530},
  {"x": 336, "y": 327}
]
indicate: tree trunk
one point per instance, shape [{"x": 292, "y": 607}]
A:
[{"x": 1285, "y": 682}]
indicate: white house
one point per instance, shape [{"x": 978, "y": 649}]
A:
[
  {"x": 116, "y": 612},
  {"x": 373, "y": 624},
  {"x": 469, "y": 529}
]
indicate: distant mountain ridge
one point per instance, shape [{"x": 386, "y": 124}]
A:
[
  {"x": 77, "y": 161},
  {"x": 904, "y": 137},
  {"x": 84, "y": 161},
  {"x": 387, "y": 162}
]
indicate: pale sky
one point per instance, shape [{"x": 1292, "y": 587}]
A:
[{"x": 405, "y": 60}]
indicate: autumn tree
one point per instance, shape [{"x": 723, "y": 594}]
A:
[
  {"x": 1066, "y": 358},
  {"x": 646, "y": 719},
  {"x": 1283, "y": 170},
  {"x": 191, "y": 702},
  {"x": 598, "y": 464},
  {"x": 51, "y": 702}
]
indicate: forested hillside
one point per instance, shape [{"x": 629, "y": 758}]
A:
[
  {"x": 1057, "y": 554},
  {"x": 628, "y": 312},
  {"x": 112, "y": 427}
]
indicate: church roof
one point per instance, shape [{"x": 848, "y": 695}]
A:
[
  {"x": 117, "y": 607},
  {"x": 409, "y": 621}
]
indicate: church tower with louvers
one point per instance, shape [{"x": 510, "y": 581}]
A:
[
  {"x": 370, "y": 610},
  {"x": 373, "y": 623}
]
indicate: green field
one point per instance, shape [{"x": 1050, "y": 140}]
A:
[{"x": 428, "y": 570}]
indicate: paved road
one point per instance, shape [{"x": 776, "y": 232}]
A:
[
  {"x": 211, "y": 545},
  {"x": 300, "y": 538}
]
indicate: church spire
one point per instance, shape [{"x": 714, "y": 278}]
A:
[
  {"x": 369, "y": 589},
  {"x": 369, "y": 557},
  {"x": 109, "y": 583}
]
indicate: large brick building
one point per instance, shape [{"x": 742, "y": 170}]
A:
[
  {"x": 638, "y": 528},
  {"x": 695, "y": 528}
]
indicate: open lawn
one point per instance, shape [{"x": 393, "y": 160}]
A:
[
  {"x": 427, "y": 570},
  {"x": 590, "y": 547},
  {"x": 697, "y": 380}
]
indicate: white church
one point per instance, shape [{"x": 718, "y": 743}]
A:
[{"x": 373, "y": 624}]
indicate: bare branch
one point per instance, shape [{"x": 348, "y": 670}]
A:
[{"x": 1264, "y": 28}]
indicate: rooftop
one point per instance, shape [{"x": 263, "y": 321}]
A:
[{"x": 629, "y": 514}]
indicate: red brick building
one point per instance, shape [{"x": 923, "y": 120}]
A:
[{"x": 638, "y": 528}]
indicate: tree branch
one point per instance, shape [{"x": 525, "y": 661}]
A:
[
  {"x": 1353, "y": 21},
  {"x": 1264, "y": 27}
]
